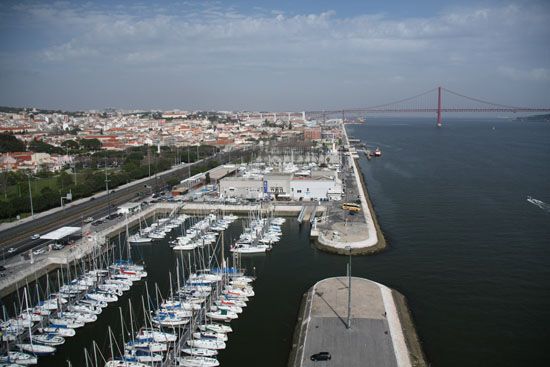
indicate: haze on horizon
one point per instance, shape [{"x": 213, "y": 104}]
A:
[{"x": 282, "y": 55}]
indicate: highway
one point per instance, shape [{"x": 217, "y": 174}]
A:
[{"x": 18, "y": 236}]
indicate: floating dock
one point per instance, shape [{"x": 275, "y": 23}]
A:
[{"x": 381, "y": 332}]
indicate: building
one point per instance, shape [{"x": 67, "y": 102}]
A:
[
  {"x": 312, "y": 133},
  {"x": 315, "y": 188},
  {"x": 242, "y": 187},
  {"x": 320, "y": 185}
]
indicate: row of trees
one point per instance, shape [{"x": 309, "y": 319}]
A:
[{"x": 9, "y": 143}]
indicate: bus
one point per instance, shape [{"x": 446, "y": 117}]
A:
[{"x": 352, "y": 207}]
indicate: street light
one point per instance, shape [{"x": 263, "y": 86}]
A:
[
  {"x": 30, "y": 196},
  {"x": 68, "y": 196},
  {"x": 349, "y": 288}
]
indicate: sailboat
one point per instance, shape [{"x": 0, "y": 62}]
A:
[
  {"x": 19, "y": 359},
  {"x": 197, "y": 361},
  {"x": 36, "y": 349},
  {"x": 203, "y": 352}
]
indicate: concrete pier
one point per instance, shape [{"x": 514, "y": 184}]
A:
[
  {"x": 357, "y": 236},
  {"x": 381, "y": 332}
]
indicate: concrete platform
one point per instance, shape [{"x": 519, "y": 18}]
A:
[{"x": 376, "y": 337}]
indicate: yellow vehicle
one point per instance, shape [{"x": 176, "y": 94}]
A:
[{"x": 352, "y": 207}]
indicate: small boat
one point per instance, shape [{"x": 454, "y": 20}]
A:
[
  {"x": 124, "y": 363},
  {"x": 210, "y": 335},
  {"x": 206, "y": 343},
  {"x": 222, "y": 315},
  {"x": 200, "y": 352},
  {"x": 169, "y": 320},
  {"x": 218, "y": 328},
  {"x": 231, "y": 308},
  {"x": 197, "y": 361},
  {"x": 102, "y": 297},
  {"x": 242, "y": 248},
  {"x": 143, "y": 356},
  {"x": 136, "y": 239},
  {"x": 48, "y": 339},
  {"x": 61, "y": 331},
  {"x": 155, "y": 335},
  {"x": 79, "y": 317},
  {"x": 85, "y": 309},
  {"x": 36, "y": 349},
  {"x": 147, "y": 346},
  {"x": 19, "y": 359},
  {"x": 67, "y": 323}
]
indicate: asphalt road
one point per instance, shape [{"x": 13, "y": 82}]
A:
[{"x": 18, "y": 237}]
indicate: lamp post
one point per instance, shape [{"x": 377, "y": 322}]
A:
[
  {"x": 349, "y": 288},
  {"x": 30, "y": 195}
]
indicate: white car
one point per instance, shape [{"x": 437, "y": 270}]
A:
[
  {"x": 89, "y": 220},
  {"x": 11, "y": 250},
  {"x": 39, "y": 251},
  {"x": 35, "y": 236}
]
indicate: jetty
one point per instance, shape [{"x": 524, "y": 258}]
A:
[
  {"x": 378, "y": 331},
  {"x": 345, "y": 234}
]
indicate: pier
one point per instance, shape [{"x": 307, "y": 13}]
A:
[
  {"x": 343, "y": 234},
  {"x": 380, "y": 332}
]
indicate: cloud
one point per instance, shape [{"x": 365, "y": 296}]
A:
[
  {"x": 536, "y": 74},
  {"x": 226, "y": 45}
]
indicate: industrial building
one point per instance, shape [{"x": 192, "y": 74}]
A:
[{"x": 318, "y": 185}]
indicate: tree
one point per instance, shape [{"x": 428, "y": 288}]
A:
[
  {"x": 39, "y": 146},
  {"x": 207, "y": 178},
  {"x": 64, "y": 179},
  {"x": 9, "y": 143},
  {"x": 90, "y": 144},
  {"x": 71, "y": 144}
]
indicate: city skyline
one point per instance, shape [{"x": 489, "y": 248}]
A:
[{"x": 277, "y": 56}]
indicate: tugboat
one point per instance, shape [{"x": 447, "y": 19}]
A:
[{"x": 377, "y": 153}]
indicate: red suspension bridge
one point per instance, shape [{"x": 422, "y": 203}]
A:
[{"x": 431, "y": 101}]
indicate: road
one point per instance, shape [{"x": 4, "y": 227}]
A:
[{"x": 18, "y": 237}]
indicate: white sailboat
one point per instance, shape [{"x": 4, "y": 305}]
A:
[{"x": 197, "y": 361}]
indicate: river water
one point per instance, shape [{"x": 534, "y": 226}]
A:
[{"x": 468, "y": 251}]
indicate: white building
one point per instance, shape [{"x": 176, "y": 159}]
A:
[
  {"x": 315, "y": 188},
  {"x": 319, "y": 186}
]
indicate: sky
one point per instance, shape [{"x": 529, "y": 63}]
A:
[{"x": 270, "y": 55}]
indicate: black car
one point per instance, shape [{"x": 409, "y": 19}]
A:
[{"x": 321, "y": 356}]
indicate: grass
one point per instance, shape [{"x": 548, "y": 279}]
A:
[{"x": 37, "y": 184}]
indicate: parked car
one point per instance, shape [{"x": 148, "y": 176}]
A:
[
  {"x": 35, "y": 236},
  {"x": 39, "y": 251},
  {"x": 321, "y": 356},
  {"x": 89, "y": 220},
  {"x": 11, "y": 250},
  {"x": 58, "y": 246}
]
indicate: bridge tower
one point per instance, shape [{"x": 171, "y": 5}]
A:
[{"x": 438, "y": 106}]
